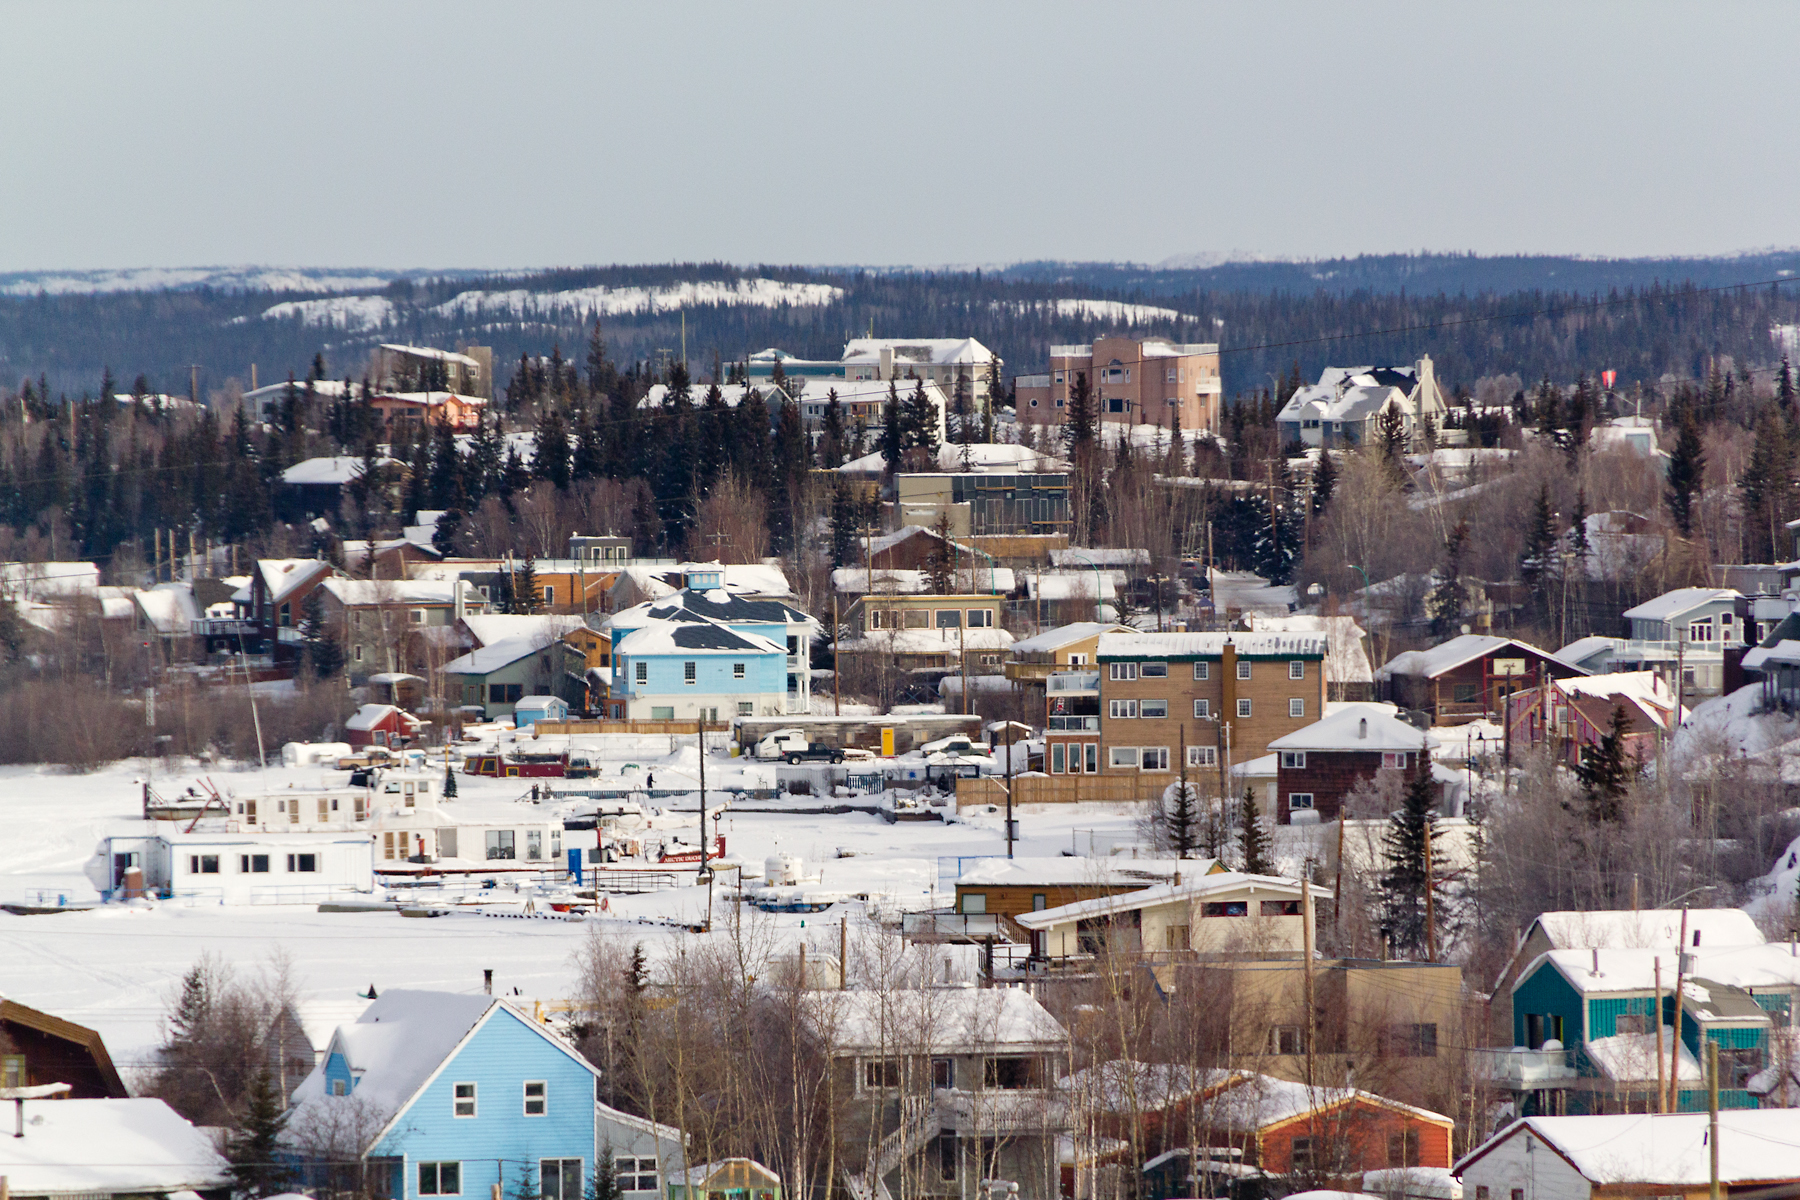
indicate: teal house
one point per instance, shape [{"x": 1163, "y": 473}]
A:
[{"x": 1585, "y": 1026}]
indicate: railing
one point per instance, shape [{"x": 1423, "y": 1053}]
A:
[
  {"x": 1520, "y": 1067},
  {"x": 935, "y": 926},
  {"x": 996, "y": 1111},
  {"x": 225, "y": 627},
  {"x": 1648, "y": 649},
  {"x": 1073, "y": 724},
  {"x": 1073, "y": 681}
]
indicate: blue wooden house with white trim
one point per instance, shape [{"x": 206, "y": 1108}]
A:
[{"x": 443, "y": 1095}]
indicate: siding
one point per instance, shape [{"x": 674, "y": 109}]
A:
[
  {"x": 1604, "y": 1013},
  {"x": 1545, "y": 991},
  {"x": 501, "y": 1056}
]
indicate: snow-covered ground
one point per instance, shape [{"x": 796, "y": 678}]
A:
[{"x": 112, "y": 967}]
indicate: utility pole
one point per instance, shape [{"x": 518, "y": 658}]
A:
[
  {"x": 837, "y": 692},
  {"x": 1680, "y": 972},
  {"x": 1712, "y": 1117},
  {"x": 1009, "y": 787},
  {"x": 1430, "y": 886},
  {"x": 1662, "y": 1089},
  {"x": 700, "y": 736},
  {"x": 1306, "y": 921}
]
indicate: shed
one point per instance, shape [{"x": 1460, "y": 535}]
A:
[
  {"x": 381, "y": 725},
  {"x": 529, "y": 710}
]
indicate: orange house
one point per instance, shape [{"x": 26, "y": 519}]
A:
[{"x": 429, "y": 408}]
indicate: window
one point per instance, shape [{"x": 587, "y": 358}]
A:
[
  {"x": 1700, "y": 631},
  {"x": 1736, "y": 1066},
  {"x": 1481, "y": 1192},
  {"x": 303, "y": 864},
  {"x": 1168, "y": 374},
  {"x": 737, "y": 670},
  {"x": 1300, "y": 801},
  {"x": 1202, "y": 670},
  {"x": 635, "y": 1174},
  {"x": 981, "y": 618},
  {"x": 1293, "y": 760},
  {"x": 949, "y": 618},
  {"x": 664, "y": 712},
  {"x": 537, "y": 1101},
  {"x": 1408, "y": 1040},
  {"x": 1243, "y": 708},
  {"x": 688, "y": 674},
  {"x": 534, "y": 844},
  {"x": 1093, "y": 758},
  {"x": 549, "y": 595},
  {"x": 1297, "y": 669},
  {"x": 1153, "y": 709},
  {"x": 1078, "y": 660},
  {"x": 253, "y": 864},
  {"x": 1394, "y": 758},
  {"x": 881, "y": 1072},
  {"x": 559, "y": 1178},
  {"x": 462, "y": 1103},
  {"x": 1203, "y": 710},
  {"x": 1121, "y": 672},
  {"x": 416, "y": 615},
  {"x": 1280, "y": 908},
  {"x": 356, "y": 652},
  {"x": 1403, "y": 1148},
  {"x": 337, "y": 1088},
  {"x": 505, "y": 693},
  {"x": 746, "y": 708},
  {"x": 1630, "y": 1023},
  {"x": 974, "y": 902},
  {"x": 12, "y": 1070},
  {"x": 499, "y": 843},
  {"x": 1518, "y": 1194},
  {"x": 1057, "y": 751},
  {"x": 1243, "y": 668},
  {"x": 1291, "y": 1039},
  {"x": 439, "y": 1178},
  {"x": 1296, "y": 707},
  {"x": 1011, "y": 1072},
  {"x": 1203, "y": 756},
  {"x": 1156, "y": 758},
  {"x": 1225, "y": 908},
  {"x": 203, "y": 864},
  {"x": 1154, "y": 670},
  {"x": 1124, "y": 756},
  {"x": 1465, "y": 693},
  {"x": 1122, "y": 710},
  {"x": 915, "y": 618},
  {"x": 643, "y": 672}
]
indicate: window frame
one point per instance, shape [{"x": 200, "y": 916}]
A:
[
  {"x": 1245, "y": 708},
  {"x": 1297, "y": 668},
  {"x": 1203, "y": 710},
  {"x": 1114, "y": 761},
  {"x": 690, "y": 673},
  {"x": 1297, "y": 707},
  {"x": 1243, "y": 668},
  {"x": 1122, "y": 710},
  {"x": 437, "y": 1177},
  {"x": 542, "y": 1099},
  {"x": 1203, "y": 756},
  {"x": 1144, "y": 712},
  {"x": 1202, "y": 671},
  {"x": 738, "y": 670},
  {"x": 1293, "y": 760},
  {"x": 457, "y": 1099},
  {"x": 1153, "y": 670},
  {"x": 1121, "y": 672},
  {"x": 1300, "y": 802}
]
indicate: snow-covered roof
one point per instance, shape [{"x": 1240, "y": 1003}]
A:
[
  {"x": 337, "y": 469},
  {"x": 538, "y": 702},
  {"x": 369, "y": 716},
  {"x": 1447, "y": 656},
  {"x": 1211, "y": 645},
  {"x": 1069, "y": 871},
  {"x": 1357, "y": 727},
  {"x": 938, "y": 352},
  {"x": 1120, "y": 1084},
  {"x": 691, "y": 635},
  {"x": 1784, "y": 652},
  {"x": 363, "y": 593},
  {"x": 1239, "y": 1100},
  {"x": 1346, "y": 659},
  {"x": 1634, "y": 970},
  {"x": 985, "y": 1019},
  {"x": 990, "y": 458},
  {"x": 1681, "y": 600},
  {"x": 1073, "y": 585},
  {"x": 1645, "y": 689},
  {"x": 492, "y": 657},
  {"x": 48, "y": 580},
  {"x": 108, "y": 1147},
  {"x": 169, "y": 608},
  {"x": 1164, "y": 893},
  {"x": 1631, "y": 1057},
  {"x": 1052, "y": 640},
  {"x": 488, "y": 628},
  {"x": 1666, "y": 1150},
  {"x": 753, "y": 579},
  {"x": 431, "y": 399},
  {"x": 1101, "y": 556},
  {"x": 897, "y": 581},
  {"x": 1582, "y": 649},
  {"x": 928, "y": 641},
  {"x": 1657, "y": 928},
  {"x": 715, "y": 604},
  {"x": 281, "y": 577},
  {"x": 444, "y": 356}
]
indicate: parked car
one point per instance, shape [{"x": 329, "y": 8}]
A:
[
  {"x": 956, "y": 743},
  {"x": 812, "y": 752}
]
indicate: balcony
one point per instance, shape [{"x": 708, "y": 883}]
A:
[
  {"x": 1073, "y": 683},
  {"x": 951, "y": 927},
  {"x": 226, "y": 627},
  {"x": 1647, "y": 650},
  {"x": 1522, "y": 1069},
  {"x": 1072, "y": 724},
  {"x": 997, "y": 1112}
]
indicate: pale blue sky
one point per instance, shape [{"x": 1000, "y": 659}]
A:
[{"x": 540, "y": 133}]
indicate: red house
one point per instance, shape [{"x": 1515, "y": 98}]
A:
[
  {"x": 1572, "y": 713},
  {"x": 1467, "y": 677},
  {"x": 1316, "y": 766},
  {"x": 381, "y": 725}
]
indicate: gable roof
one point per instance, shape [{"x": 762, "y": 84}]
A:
[
  {"x": 719, "y": 604},
  {"x": 282, "y": 577},
  {"x": 1447, "y": 656},
  {"x": 694, "y": 634},
  {"x": 1067, "y": 635},
  {"x": 365, "y": 593},
  {"x": 108, "y": 1147},
  {"x": 1070, "y": 871},
  {"x": 1681, "y": 600},
  {"x": 1357, "y": 727},
  {"x": 1187, "y": 889},
  {"x": 370, "y": 716},
  {"x": 489, "y": 628},
  {"x": 486, "y": 659},
  {"x": 1210, "y": 645},
  {"x": 1665, "y": 1149},
  {"x": 1657, "y": 928},
  {"x": 934, "y": 1018},
  {"x": 12, "y": 1012}
]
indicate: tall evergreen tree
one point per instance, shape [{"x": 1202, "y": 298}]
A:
[
  {"x": 589, "y": 460},
  {"x": 1324, "y": 482},
  {"x": 1414, "y": 863},
  {"x": 1254, "y": 844},
  {"x": 893, "y": 429},
  {"x": 940, "y": 563},
  {"x": 1081, "y": 419},
  {"x": 550, "y": 449},
  {"x": 1605, "y": 771},
  {"x": 602, "y": 376},
  {"x": 1687, "y": 468},
  {"x": 254, "y": 1150},
  {"x": 831, "y": 432},
  {"x": 1448, "y": 602},
  {"x": 1181, "y": 817},
  {"x": 526, "y": 594},
  {"x": 1537, "y": 561},
  {"x": 922, "y": 422},
  {"x": 1766, "y": 487},
  {"x": 318, "y": 642}
]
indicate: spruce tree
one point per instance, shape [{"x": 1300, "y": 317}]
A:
[
  {"x": 525, "y": 586},
  {"x": 1766, "y": 487},
  {"x": 1254, "y": 843},
  {"x": 603, "y": 377},
  {"x": 831, "y": 434},
  {"x": 1606, "y": 771},
  {"x": 1537, "y": 561},
  {"x": 922, "y": 421},
  {"x": 1784, "y": 390},
  {"x": 1390, "y": 430},
  {"x": 1181, "y": 817},
  {"x": 940, "y": 564},
  {"x": 589, "y": 460},
  {"x": 604, "y": 1185},
  {"x": 1324, "y": 482},
  {"x": 893, "y": 429},
  {"x": 1687, "y": 469},
  {"x": 1448, "y": 602},
  {"x": 550, "y": 449},
  {"x": 1580, "y": 545},
  {"x": 254, "y": 1150},
  {"x": 1081, "y": 416},
  {"x": 1410, "y": 838},
  {"x": 449, "y": 782},
  {"x": 318, "y": 642}
]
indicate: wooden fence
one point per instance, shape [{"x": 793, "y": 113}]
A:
[
  {"x": 663, "y": 727},
  {"x": 1064, "y": 789}
]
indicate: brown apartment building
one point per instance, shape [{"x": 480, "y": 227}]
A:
[
  {"x": 1225, "y": 696},
  {"x": 1136, "y": 381}
]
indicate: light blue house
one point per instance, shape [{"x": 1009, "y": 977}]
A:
[
  {"x": 437, "y": 1094},
  {"x": 685, "y": 666},
  {"x": 749, "y": 616},
  {"x": 529, "y": 710}
]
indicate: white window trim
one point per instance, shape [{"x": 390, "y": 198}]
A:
[
  {"x": 1295, "y": 806},
  {"x": 1297, "y": 669},
  {"x": 1243, "y": 668},
  {"x": 526, "y": 1097},
  {"x": 474, "y": 1100},
  {"x": 1296, "y": 707},
  {"x": 1202, "y": 670},
  {"x": 1244, "y": 708},
  {"x": 1293, "y": 760},
  {"x": 1203, "y": 710}
]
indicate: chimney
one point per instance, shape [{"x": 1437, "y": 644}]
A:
[
  {"x": 487, "y": 981},
  {"x": 1362, "y": 727},
  {"x": 886, "y": 369}
]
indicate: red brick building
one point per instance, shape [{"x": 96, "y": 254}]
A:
[{"x": 1318, "y": 765}]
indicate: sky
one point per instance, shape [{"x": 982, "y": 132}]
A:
[{"x": 495, "y": 135}]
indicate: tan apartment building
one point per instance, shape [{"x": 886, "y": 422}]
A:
[
  {"x": 469, "y": 371},
  {"x": 1225, "y": 696},
  {"x": 1135, "y": 381},
  {"x": 928, "y": 631}
]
